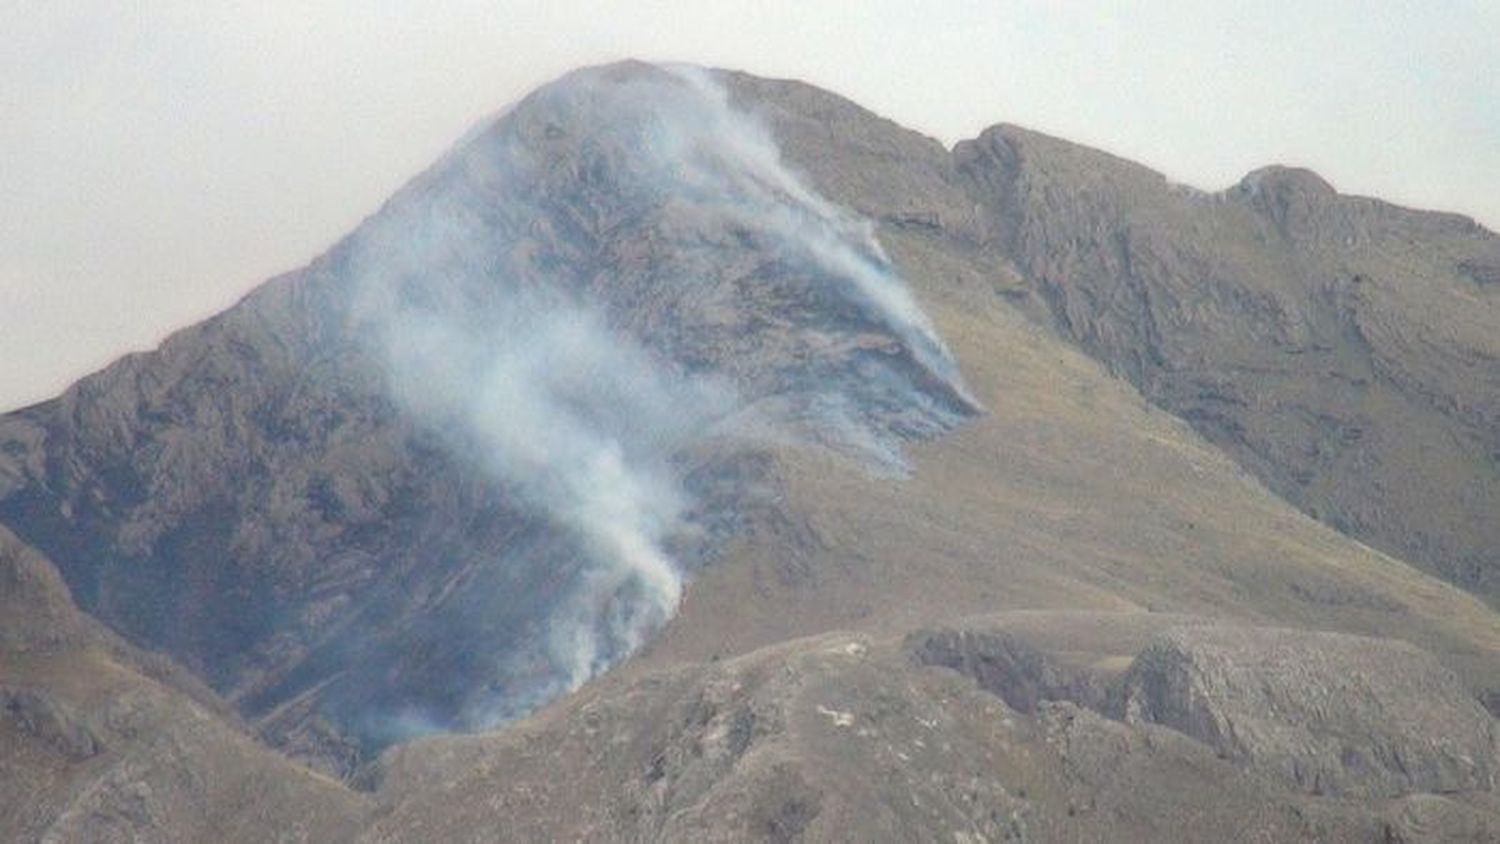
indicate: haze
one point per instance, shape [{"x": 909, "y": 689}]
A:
[{"x": 160, "y": 160}]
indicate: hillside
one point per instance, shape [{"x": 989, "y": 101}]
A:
[{"x": 100, "y": 742}]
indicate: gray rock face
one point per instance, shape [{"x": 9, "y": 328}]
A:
[{"x": 1329, "y": 713}]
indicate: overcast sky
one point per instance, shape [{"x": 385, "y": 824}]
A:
[{"x": 157, "y": 159}]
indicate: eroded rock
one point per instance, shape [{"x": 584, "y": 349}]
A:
[{"x": 1329, "y": 713}]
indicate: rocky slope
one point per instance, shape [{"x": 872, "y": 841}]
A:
[
  {"x": 1403, "y": 725},
  {"x": 347, "y": 505},
  {"x": 1341, "y": 348},
  {"x": 841, "y": 737}
]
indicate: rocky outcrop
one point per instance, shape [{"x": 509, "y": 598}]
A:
[
  {"x": 1329, "y": 713},
  {"x": 815, "y": 739},
  {"x": 840, "y": 736},
  {"x": 1007, "y": 665}
]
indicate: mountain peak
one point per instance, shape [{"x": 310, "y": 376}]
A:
[{"x": 1281, "y": 180}]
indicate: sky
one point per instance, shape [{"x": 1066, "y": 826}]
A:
[{"x": 158, "y": 159}]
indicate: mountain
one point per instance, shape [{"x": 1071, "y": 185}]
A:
[
  {"x": 485, "y": 412},
  {"x": 1339, "y": 347},
  {"x": 711, "y": 458}
]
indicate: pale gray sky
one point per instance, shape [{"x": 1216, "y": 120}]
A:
[{"x": 157, "y": 159}]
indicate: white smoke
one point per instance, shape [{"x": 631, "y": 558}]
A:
[
  {"x": 579, "y": 417},
  {"x": 580, "y": 422},
  {"x": 767, "y": 194}
]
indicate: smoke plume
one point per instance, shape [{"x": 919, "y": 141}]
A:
[{"x": 614, "y": 272}]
